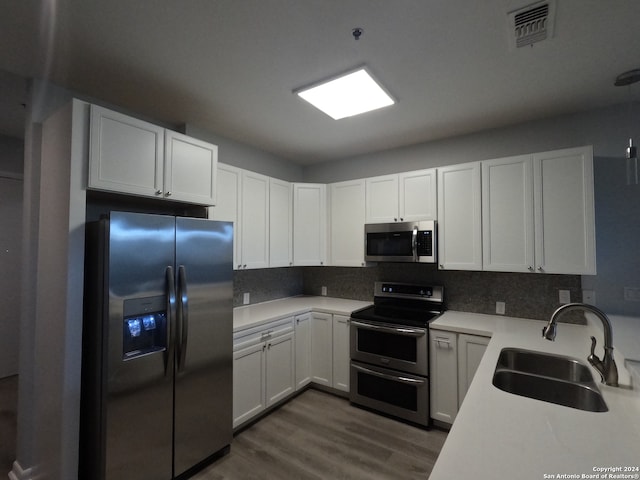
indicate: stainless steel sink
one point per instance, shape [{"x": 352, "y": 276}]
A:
[
  {"x": 549, "y": 378},
  {"x": 545, "y": 364}
]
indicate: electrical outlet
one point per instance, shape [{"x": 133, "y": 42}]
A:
[
  {"x": 324, "y": 291},
  {"x": 245, "y": 298},
  {"x": 564, "y": 296},
  {"x": 589, "y": 297},
  {"x": 500, "y": 306}
]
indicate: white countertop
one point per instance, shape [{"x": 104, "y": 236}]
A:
[
  {"x": 498, "y": 435},
  {"x": 253, "y": 315}
]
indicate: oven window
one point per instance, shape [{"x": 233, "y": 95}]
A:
[
  {"x": 388, "y": 345},
  {"x": 387, "y": 391},
  {"x": 396, "y": 244}
]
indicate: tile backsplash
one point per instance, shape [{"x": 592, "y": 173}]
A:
[{"x": 525, "y": 295}]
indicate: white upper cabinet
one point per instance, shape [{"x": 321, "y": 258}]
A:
[
  {"x": 254, "y": 224},
  {"x": 418, "y": 195},
  {"x": 382, "y": 199},
  {"x": 126, "y": 154},
  {"x": 347, "y": 218},
  {"x": 403, "y": 197},
  {"x": 280, "y": 223},
  {"x": 190, "y": 169},
  {"x": 564, "y": 211},
  {"x": 227, "y": 208},
  {"x": 538, "y": 214},
  {"x": 507, "y": 214},
  {"x": 131, "y": 156},
  {"x": 309, "y": 224},
  {"x": 459, "y": 217}
]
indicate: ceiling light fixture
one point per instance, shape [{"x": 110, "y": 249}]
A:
[{"x": 346, "y": 95}]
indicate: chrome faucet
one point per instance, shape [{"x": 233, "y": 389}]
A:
[{"x": 607, "y": 366}]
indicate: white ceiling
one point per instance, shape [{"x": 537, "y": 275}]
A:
[{"x": 229, "y": 66}]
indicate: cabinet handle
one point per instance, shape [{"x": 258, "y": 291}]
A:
[
  {"x": 401, "y": 219},
  {"x": 530, "y": 268},
  {"x": 441, "y": 266},
  {"x": 540, "y": 269},
  {"x": 440, "y": 342},
  {"x": 395, "y": 219},
  {"x": 158, "y": 192},
  {"x": 168, "y": 194},
  {"x": 264, "y": 347}
]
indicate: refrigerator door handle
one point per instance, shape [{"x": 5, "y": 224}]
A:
[
  {"x": 171, "y": 301},
  {"x": 183, "y": 316}
]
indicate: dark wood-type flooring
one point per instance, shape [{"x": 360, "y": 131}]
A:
[
  {"x": 320, "y": 436},
  {"x": 314, "y": 436}
]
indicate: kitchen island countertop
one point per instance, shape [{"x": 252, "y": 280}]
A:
[{"x": 498, "y": 435}]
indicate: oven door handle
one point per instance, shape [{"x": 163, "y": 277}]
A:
[
  {"x": 393, "y": 378},
  {"x": 407, "y": 332},
  {"x": 414, "y": 243}
]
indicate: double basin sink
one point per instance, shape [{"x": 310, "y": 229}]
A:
[{"x": 549, "y": 378}]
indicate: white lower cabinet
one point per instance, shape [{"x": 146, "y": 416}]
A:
[
  {"x": 303, "y": 350},
  {"x": 471, "y": 348},
  {"x": 454, "y": 359},
  {"x": 341, "y": 356},
  {"x": 322, "y": 349},
  {"x": 443, "y": 363},
  {"x": 263, "y": 368}
]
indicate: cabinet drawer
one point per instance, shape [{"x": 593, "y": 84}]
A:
[{"x": 261, "y": 333}]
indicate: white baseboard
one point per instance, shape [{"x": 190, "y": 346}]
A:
[{"x": 18, "y": 473}]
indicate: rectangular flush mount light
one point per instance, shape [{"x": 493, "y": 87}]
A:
[{"x": 350, "y": 94}]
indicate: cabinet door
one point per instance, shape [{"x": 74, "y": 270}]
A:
[
  {"x": 321, "y": 349},
  {"x": 280, "y": 373},
  {"x": 459, "y": 217},
  {"x": 227, "y": 207},
  {"x": 507, "y": 214},
  {"x": 382, "y": 199},
  {"x": 248, "y": 383},
  {"x": 347, "y": 223},
  {"x": 280, "y": 223},
  {"x": 125, "y": 154},
  {"x": 309, "y": 224},
  {"x": 471, "y": 348},
  {"x": 418, "y": 195},
  {"x": 303, "y": 350},
  {"x": 564, "y": 211},
  {"x": 190, "y": 169},
  {"x": 341, "y": 356},
  {"x": 255, "y": 220},
  {"x": 444, "y": 376}
]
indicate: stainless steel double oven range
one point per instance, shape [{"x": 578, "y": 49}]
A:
[{"x": 389, "y": 344}]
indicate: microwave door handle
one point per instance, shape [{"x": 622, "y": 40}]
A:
[
  {"x": 414, "y": 243},
  {"x": 393, "y": 378},
  {"x": 406, "y": 332}
]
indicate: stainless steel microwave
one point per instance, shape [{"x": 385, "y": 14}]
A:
[{"x": 400, "y": 242}]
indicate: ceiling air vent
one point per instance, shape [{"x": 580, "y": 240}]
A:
[{"x": 531, "y": 24}]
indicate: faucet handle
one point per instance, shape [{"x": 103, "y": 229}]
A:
[{"x": 595, "y": 360}]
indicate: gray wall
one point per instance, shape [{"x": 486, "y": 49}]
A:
[
  {"x": 11, "y": 174},
  {"x": 617, "y": 204},
  {"x": 247, "y": 157},
  {"x": 606, "y": 129}
]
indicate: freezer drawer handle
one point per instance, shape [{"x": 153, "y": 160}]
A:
[
  {"x": 171, "y": 301},
  {"x": 393, "y": 378},
  {"x": 183, "y": 316}
]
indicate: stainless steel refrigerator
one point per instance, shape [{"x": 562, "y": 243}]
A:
[{"x": 157, "y": 346}]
